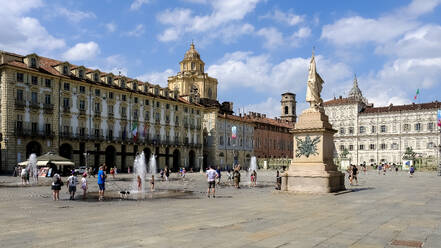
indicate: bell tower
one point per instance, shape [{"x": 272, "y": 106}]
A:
[{"x": 288, "y": 104}]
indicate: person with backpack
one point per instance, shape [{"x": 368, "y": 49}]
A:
[
  {"x": 56, "y": 186},
  {"x": 72, "y": 182}
]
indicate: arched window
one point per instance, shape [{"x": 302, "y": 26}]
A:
[
  {"x": 193, "y": 66},
  {"x": 286, "y": 110}
]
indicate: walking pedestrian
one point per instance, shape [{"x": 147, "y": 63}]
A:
[
  {"x": 167, "y": 173},
  {"x": 72, "y": 182},
  {"x": 56, "y": 186},
  {"x": 84, "y": 184},
  {"x": 278, "y": 181},
  {"x": 152, "y": 183},
  {"x": 218, "y": 171},
  {"x": 101, "y": 182},
  {"x": 411, "y": 171},
  {"x": 236, "y": 178},
  {"x": 211, "y": 178},
  {"x": 354, "y": 174},
  {"x": 138, "y": 178},
  {"x": 161, "y": 173},
  {"x": 24, "y": 175},
  {"x": 253, "y": 178}
]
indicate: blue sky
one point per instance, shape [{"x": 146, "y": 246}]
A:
[{"x": 257, "y": 49}]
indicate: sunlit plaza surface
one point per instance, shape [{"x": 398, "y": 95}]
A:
[{"x": 391, "y": 210}]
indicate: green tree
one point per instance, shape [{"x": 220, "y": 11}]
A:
[{"x": 409, "y": 154}]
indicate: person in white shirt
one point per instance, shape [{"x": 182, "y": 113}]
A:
[
  {"x": 72, "y": 182},
  {"x": 84, "y": 184},
  {"x": 211, "y": 178}
]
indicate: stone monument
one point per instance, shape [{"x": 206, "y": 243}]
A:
[{"x": 312, "y": 169}]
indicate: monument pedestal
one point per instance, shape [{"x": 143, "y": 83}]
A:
[{"x": 312, "y": 169}]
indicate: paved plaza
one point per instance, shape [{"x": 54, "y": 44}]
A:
[{"x": 380, "y": 212}]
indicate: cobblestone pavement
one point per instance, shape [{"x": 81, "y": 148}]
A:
[{"x": 382, "y": 210}]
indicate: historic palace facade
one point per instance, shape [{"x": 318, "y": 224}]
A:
[
  {"x": 374, "y": 135},
  {"x": 91, "y": 116}
]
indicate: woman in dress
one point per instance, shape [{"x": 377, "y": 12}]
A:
[{"x": 56, "y": 186}]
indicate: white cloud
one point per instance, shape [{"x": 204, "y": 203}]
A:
[
  {"x": 273, "y": 37},
  {"x": 111, "y": 27},
  {"x": 138, "y": 31},
  {"x": 138, "y": 3},
  {"x": 74, "y": 15},
  {"x": 290, "y": 19},
  {"x": 181, "y": 21},
  {"x": 256, "y": 72},
  {"x": 419, "y": 43},
  {"x": 22, "y": 34},
  {"x": 157, "y": 77},
  {"x": 302, "y": 33},
  {"x": 398, "y": 80},
  {"x": 82, "y": 51},
  {"x": 358, "y": 30}
]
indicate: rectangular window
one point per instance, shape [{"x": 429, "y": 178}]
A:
[
  {"x": 123, "y": 97},
  {"x": 147, "y": 115},
  {"x": 66, "y": 103},
  {"x": 373, "y": 129},
  {"x": 66, "y": 86},
  {"x": 221, "y": 140},
  {"x": 97, "y": 92},
  {"x": 383, "y": 146},
  {"x": 47, "y": 99},
  {"x": 372, "y": 146},
  {"x": 361, "y": 147},
  {"x": 430, "y": 126},
  {"x": 383, "y": 128},
  {"x": 123, "y": 111},
  {"x": 342, "y": 130},
  {"x": 65, "y": 70},
  {"x": 34, "y": 127},
  {"x": 418, "y": 127},
  {"x": 176, "y": 108},
  {"x": 135, "y": 114},
  {"x": 351, "y": 130},
  {"x": 47, "y": 83},
  {"x": 167, "y": 106},
  {"x": 97, "y": 107},
  {"x": 351, "y": 147},
  {"x": 110, "y": 95},
  {"x": 158, "y": 104},
  {"x": 82, "y": 89},
  {"x": 97, "y": 132},
  {"x": 342, "y": 147},
  {"x": 34, "y": 80},
  {"x": 82, "y": 105},
  {"x": 82, "y": 131},
  {"x": 20, "y": 95},
  {"x": 20, "y": 77},
  {"x": 135, "y": 99},
  {"x": 110, "y": 109},
  {"x": 34, "y": 97},
  {"x": 109, "y": 80},
  {"x": 81, "y": 74},
  {"x": 362, "y": 129},
  {"x": 406, "y": 127},
  {"x": 47, "y": 128},
  {"x": 147, "y": 102},
  {"x": 110, "y": 134}
]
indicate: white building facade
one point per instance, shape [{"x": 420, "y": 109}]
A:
[{"x": 375, "y": 135}]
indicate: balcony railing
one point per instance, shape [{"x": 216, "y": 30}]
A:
[
  {"x": 110, "y": 114},
  {"x": 48, "y": 107},
  {"x": 124, "y": 116},
  {"x": 97, "y": 113},
  {"x": 20, "y": 104},
  {"x": 157, "y": 121},
  {"x": 66, "y": 109},
  {"x": 82, "y": 112},
  {"x": 34, "y": 105},
  {"x": 22, "y": 132}
]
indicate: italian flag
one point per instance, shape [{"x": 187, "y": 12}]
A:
[
  {"x": 135, "y": 131},
  {"x": 416, "y": 94}
]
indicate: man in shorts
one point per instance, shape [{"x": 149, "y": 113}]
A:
[
  {"x": 72, "y": 182},
  {"x": 101, "y": 182},
  {"x": 211, "y": 178}
]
